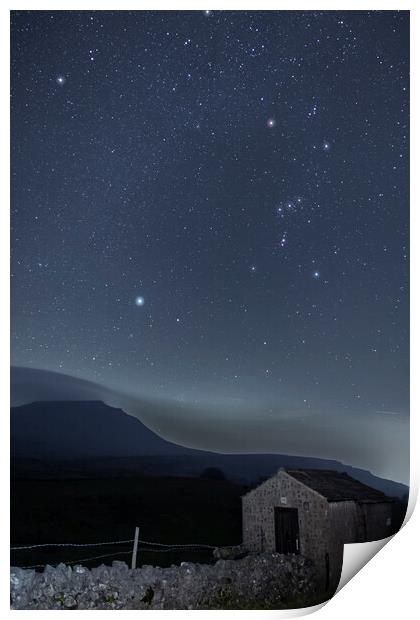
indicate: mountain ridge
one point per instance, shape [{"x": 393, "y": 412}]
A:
[
  {"x": 96, "y": 429},
  {"x": 90, "y": 436}
]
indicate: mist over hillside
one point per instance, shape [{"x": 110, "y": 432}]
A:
[
  {"x": 232, "y": 429},
  {"x": 89, "y": 436}
]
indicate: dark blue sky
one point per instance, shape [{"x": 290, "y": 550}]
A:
[{"x": 246, "y": 175}]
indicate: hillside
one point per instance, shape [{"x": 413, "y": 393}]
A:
[
  {"x": 62, "y": 439},
  {"x": 82, "y": 429}
]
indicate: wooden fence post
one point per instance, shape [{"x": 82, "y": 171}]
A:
[{"x": 135, "y": 545}]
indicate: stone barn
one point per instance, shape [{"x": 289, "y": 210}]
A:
[{"x": 314, "y": 512}]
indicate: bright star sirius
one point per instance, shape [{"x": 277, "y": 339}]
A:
[
  {"x": 60, "y": 80},
  {"x": 271, "y": 123},
  {"x": 139, "y": 301}
]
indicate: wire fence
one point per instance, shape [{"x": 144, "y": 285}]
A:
[
  {"x": 163, "y": 548},
  {"x": 101, "y": 544},
  {"x": 174, "y": 546},
  {"x": 96, "y": 557}
]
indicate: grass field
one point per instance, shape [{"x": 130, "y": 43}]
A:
[{"x": 167, "y": 509}]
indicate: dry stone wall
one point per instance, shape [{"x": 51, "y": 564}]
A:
[{"x": 257, "y": 581}]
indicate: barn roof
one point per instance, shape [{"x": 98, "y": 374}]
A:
[{"x": 337, "y": 486}]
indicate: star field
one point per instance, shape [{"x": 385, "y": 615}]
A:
[{"x": 213, "y": 206}]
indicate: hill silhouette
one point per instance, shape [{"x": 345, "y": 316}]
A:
[
  {"x": 63, "y": 438},
  {"x": 82, "y": 429}
]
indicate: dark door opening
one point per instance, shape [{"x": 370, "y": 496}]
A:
[{"x": 286, "y": 524}]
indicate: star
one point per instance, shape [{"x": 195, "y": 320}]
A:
[{"x": 160, "y": 190}]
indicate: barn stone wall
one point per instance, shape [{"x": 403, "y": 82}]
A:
[
  {"x": 324, "y": 527},
  {"x": 316, "y": 543}
]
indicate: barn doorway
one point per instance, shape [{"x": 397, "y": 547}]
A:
[{"x": 286, "y": 525}]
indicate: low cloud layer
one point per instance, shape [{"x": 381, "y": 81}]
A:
[{"x": 379, "y": 443}]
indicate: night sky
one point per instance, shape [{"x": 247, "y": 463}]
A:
[{"x": 211, "y": 208}]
